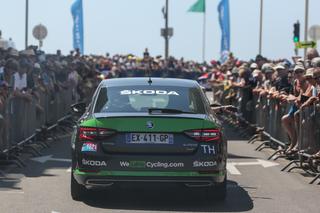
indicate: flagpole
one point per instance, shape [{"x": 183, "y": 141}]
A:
[
  {"x": 204, "y": 38},
  {"x": 261, "y": 27}
]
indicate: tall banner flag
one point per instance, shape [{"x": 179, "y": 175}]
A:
[
  {"x": 77, "y": 14},
  {"x": 200, "y": 7},
  {"x": 224, "y": 20}
]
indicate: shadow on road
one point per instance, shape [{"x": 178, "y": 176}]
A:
[
  {"x": 11, "y": 178},
  {"x": 233, "y": 156},
  {"x": 151, "y": 198}
]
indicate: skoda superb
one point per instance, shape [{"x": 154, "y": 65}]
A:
[{"x": 148, "y": 130}]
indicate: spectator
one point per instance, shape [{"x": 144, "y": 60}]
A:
[
  {"x": 19, "y": 80},
  {"x": 282, "y": 83},
  {"x": 3, "y": 97},
  {"x": 288, "y": 121},
  {"x": 313, "y": 83}
]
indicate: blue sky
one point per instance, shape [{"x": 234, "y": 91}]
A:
[{"x": 128, "y": 26}]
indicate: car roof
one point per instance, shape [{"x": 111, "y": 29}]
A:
[{"x": 144, "y": 81}]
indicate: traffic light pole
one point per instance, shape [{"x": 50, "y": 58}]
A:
[{"x": 306, "y": 26}]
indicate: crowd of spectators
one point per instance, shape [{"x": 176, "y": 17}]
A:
[
  {"x": 26, "y": 74},
  {"x": 295, "y": 83}
]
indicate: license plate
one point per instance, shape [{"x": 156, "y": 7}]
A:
[{"x": 149, "y": 138}]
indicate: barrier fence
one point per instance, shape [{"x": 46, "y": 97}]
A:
[
  {"x": 23, "y": 116},
  {"x": 264, "y": 114},
  {"x": 267, "y": 114}
]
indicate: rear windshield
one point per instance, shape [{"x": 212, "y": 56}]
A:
[{"x": 141, "y": 98}]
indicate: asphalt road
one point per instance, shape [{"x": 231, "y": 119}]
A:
[{"x": 44, "y": 187}]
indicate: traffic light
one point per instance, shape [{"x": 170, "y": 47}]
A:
[{"x": 296, "y": 32}]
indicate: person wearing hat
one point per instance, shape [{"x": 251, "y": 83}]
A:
[
  {"x": 316, "y": 77},
  {"x": 311, "y": 79},
  {"x": 268, "y": 79},
  {"x": 315, "y": 62},
  {"x": 302, "y": 91},
  {"x": 253, "y": 67},
  {"x": 282, "y": 83}
]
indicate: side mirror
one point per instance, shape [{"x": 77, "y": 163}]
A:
[
  {"x": 79, "y": 108},
  {"x": 203, "y": 89}
]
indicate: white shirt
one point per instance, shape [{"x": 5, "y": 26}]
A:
[{"x": 19, "y": 82}]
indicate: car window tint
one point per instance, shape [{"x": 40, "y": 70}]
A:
[{"x": 141, "y": 98}]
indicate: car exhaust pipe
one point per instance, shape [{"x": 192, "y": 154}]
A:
[
  {"x": 198, "y": 184},
  {"x": 100, "y": 183}
]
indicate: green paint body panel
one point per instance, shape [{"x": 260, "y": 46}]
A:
[
  {"x": 162, "y": 124},
  {"x": 147, "y": 174}
]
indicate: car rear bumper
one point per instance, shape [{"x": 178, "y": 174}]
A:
[{"x": 189, "y": 179}]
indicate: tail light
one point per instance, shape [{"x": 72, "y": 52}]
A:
[
  {"x": 204, "y": 135},
  {"x": 89, "y": 133}
]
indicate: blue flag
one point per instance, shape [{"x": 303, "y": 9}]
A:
[
  {"x": 224, "y": 19},
  {"x": 77, "y": 14}
]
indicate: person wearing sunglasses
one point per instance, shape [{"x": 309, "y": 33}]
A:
[{"x": 289, "y": 121}]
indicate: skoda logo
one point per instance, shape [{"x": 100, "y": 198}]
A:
[{"x": 150, "y": 125}]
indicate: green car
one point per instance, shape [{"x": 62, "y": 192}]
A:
[{"x": 148, "y": 130}]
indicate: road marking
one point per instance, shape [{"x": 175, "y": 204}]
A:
[
  {"x": 44, "y": 159},
  {"x": 54, "y": 212},
  {"x": 232, "y": 169},
  {"x": 69, "y": 170},
  {"x": 11, "y": 192}
]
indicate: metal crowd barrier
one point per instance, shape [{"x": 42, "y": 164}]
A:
[
  {"x": 22, "y": 117},
  {"x": 265, "y": 113},
  {"x": 267, "y": 116},
  {"x": 309, "y": 140}
]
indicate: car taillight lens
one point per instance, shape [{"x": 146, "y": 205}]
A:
[
  {"x": 89, "y": 133},
  {"x": 204, "y": 135}
]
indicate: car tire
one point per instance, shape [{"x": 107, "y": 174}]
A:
[
  {"x": 217, "y": 192},
  {"x": 78, "y": 191}
]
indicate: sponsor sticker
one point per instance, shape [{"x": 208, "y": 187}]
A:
[
  {"x": 89, "y": 147},
  {"x": 204, "y": 164},
  {"x": 93, "y": 163},
  {"x": 208, "y": 149},
  {"x": 151, "y": 165},
  {"x": 148, "y": 92}
]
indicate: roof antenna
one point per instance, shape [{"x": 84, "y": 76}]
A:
[
  {"x": 149, "y": 74},
  {"x": 149, "y": 81}
]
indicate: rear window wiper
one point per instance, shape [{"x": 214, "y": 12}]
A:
[{"x": 168, "y": 111}]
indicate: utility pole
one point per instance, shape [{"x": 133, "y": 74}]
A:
[
  {"x": 166, "y": 32},
  {"x": 306, "y": 26},
  {"x": 261, "y": 27},
  {"x": 166, "y": 37},
  {"x": 27, "y": 23}
]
